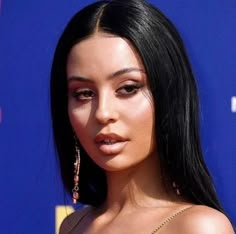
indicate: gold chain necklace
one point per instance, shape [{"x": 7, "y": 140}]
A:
[
  {"x": 160, "y": 226},
  {"x": 169, "y": 219}
]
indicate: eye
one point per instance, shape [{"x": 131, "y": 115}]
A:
[
  {"x": 128, "y": 89},
  {"x": 83, "y": 95}
]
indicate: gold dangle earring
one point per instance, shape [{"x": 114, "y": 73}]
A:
[{"x": 75, "y": 190}]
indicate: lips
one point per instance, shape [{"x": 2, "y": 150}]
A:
[{"x": 111, "y": 143}]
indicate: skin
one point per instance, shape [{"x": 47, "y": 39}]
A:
[
  {"x": 106, "y": 100},
  {"x": 109, "y": 94}
]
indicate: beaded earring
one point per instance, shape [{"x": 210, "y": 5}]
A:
[{"x": 75, "y": 190}]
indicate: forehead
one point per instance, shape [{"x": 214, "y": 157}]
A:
[{"x": 104, "y": 51}]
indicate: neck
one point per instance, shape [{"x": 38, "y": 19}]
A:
[{"x": 139, "y": 186}]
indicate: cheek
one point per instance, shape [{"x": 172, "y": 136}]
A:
[
  {"x": 145, "y": 129},
  {"x": 79, "y": 118},
  {"x": 142, "y": 112},
  {"x": 145, "y": 119},
  {"x": 141, "y": 120}
]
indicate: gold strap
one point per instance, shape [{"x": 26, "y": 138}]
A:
[{"x": 169, "y": 219}]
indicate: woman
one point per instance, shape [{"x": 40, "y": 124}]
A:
[{"x": 125, "y": 120}]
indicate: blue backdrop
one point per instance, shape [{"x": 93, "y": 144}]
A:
[{"x": 29, "y": 177}]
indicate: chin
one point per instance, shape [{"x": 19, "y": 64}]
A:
[{"x": 117, "y": 165}]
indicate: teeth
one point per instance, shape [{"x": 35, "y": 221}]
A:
[{"x": 109, "y": 141}]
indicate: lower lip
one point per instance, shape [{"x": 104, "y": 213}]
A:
[{"x": 112, "y": 149}]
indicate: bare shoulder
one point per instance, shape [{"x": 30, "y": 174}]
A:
[
  {"x": 73, "y": 219},
  {"x": 202, "y": 219}
]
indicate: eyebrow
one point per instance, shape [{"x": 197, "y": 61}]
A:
[{"x": 115, "y": 74}]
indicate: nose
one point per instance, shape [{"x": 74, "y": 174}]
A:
[{"x": 106, "y": 111}]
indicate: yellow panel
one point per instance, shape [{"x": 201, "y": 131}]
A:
[{"x": 60, "y": 213}]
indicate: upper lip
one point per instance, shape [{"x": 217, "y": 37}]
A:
[{"x": 108, "y": 136}]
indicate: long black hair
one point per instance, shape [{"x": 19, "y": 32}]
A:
[{"x": 173, "y": 89}]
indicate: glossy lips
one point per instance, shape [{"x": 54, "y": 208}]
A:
[{"x": 110, "y": 144}]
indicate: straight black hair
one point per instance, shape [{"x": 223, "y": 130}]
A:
[{"x": 172, "y": 86}]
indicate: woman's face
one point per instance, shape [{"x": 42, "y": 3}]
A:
[{"x": 110, "y": 105}]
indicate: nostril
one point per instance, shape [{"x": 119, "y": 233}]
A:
[
  {"x": 106, "y": 114},
  {"x": 105, "y": 117}
]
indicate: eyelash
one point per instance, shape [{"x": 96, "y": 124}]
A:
[
  {"x": 124, "y": 91},
  {"x": 83, "y": 95},
  {"x": 129, "y": 89}
]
